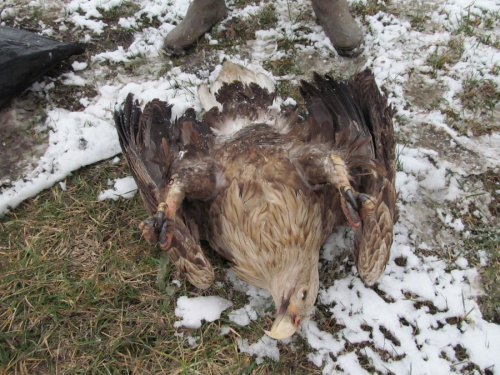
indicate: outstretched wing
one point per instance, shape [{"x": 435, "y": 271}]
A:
[
  {"x": 169, "y": 161},
  {"x": 156, "y": 148},
  {"x": 355, "y": 120}
]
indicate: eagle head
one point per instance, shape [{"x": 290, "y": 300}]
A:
[{"x": 294, "y": 290}]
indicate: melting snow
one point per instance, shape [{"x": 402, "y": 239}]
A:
[
  {"x": 123, "y": 187},
  {"x": 194, "y": 310},
  {"x": 265, "y": 347},
  {"x": 423, "y": 308}
]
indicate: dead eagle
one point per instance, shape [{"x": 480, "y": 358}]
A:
[{"x": 266, "y": 188}]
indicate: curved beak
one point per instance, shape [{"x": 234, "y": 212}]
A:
[{"x": 285, "y": 324}]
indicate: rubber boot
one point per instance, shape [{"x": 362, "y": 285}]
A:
[
  {"x": 339, "y": 26},
  {"x": 201, "y": 16}
]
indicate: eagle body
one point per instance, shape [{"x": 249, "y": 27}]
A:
[
  {"x": 267, "y": 219},
  {"x": 266, "y": 187}
]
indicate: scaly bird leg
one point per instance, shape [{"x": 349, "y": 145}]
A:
[
  {"x": 168, "y": 209},
  {"x": 160, "y": 215},
  {"x": 350, "y": 200},
  {"x": 155, "y": 228},
  {"x": 324, "y": 167}
]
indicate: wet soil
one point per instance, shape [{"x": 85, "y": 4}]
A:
[{"x": 24, "y": 140}]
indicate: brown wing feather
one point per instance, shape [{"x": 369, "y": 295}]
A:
[
  {"x": 141, "y": 148},
  {"x": 345, "y": 125},
  {"x": 156, "y": 148},
  {"x": 355, "y": 119},
  {"x": 188, "y": 257},
  {"x": 336, "y": 118},
  {"x": 374, "y": 240},
  {"x": 378, "y": 115}
]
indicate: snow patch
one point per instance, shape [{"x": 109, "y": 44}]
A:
[
  {"x": 266, "y": 347},
  {"x": 123, "y": 187},
  {"x": 194, "y": 310}
]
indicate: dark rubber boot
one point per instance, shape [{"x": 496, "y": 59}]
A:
[
  {"x": 339, "y": 26},
  {"x": 201, "y": 16}
]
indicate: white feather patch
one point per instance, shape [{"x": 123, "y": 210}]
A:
[{"x": 232, "y": 72}]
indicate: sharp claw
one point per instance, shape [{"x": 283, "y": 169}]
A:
[
  {"x": 163, "y": 233},
  {"x": 353, "y": 214},
  {"x": 350, "y": 205},
  {"x": 347, "y": 191},
  {"x": 159, "y": 220},
  {"x": 160, "y": 215}
]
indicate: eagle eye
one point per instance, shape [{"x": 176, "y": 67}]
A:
[{"x": 303, "y": 295}]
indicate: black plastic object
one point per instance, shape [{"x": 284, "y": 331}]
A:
[{"x": 25, "y": 57}]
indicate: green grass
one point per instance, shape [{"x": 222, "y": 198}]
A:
[
  {"x": 487, "y": 238},
  {"x": 369, "y": 7},
  {"x": 479, "y": 97},
  {"x": 123, "y": 10},
  {"x": 238, "y": 31},
  {"x": 79, "y": 293},
  {"x": 283, "y": 67},
  {"x": 446, "y": 55},
  {"x": 479, "y": 94},
  {"x": 473, "y": 24}
]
